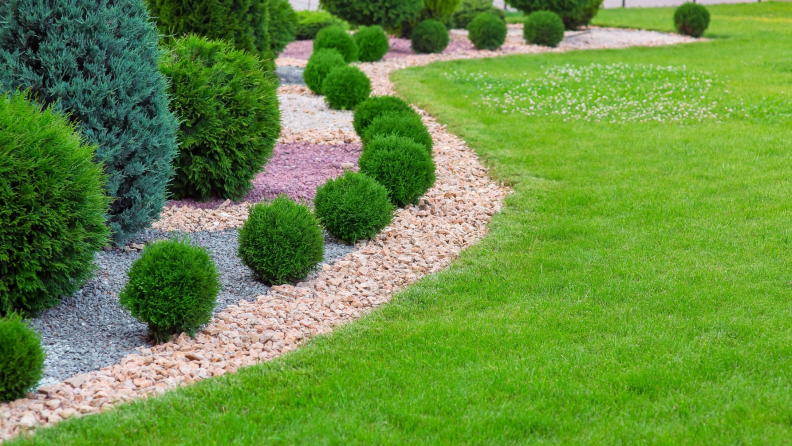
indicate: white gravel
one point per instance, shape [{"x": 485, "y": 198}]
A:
[{"x": 302, "y": 113}]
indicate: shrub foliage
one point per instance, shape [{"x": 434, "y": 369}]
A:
[
  {"x": 52, "y": 207},
  {"x": 335, "y": 37},
  {"x": 429, "y": 36},
  {"x": 353, "y": 206},
  {"x": 230, "y": 117},
  {"x": 401, "y": 165},
  {"x": 372, "y": 43},
  {"x": 282, "y": 25},
  {"x": 401, "y": 123},
  {"x": 440, "y": 10},
  {"x": 319, "y": 65},
  {"x": 543, "y": 28},
  {"x": 573, "y": 13},
  {"x": 691, "y": 19},
  {"x": 346, "y": 87},
  {"x": 388, "y": 14},
  {"x": 22, "y": 358},
  {"x": 487, "y": 32},
  {"x": 310, "y": 22},
  {"x": 470, "y": 9},
  {"x": 374, "y": 106}
]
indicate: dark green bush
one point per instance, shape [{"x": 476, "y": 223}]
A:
[
  {"x": 230, "y": 117},
  {"x": 543, "y": 28},
  {"x": 487, "y": 32},
  {"x": 335, "y": 37},
  {"x": 281, "y": 241},
  {"x": 573, "y": 13},
  {"x": 401, "y": 165},
  {"x": 282, "y": 25},
  {"x": 401, "y": 123},
  {"x": 21, "y": 358},
  {"x": 372, "y": 43},
  {"x": 374, "y": 106},
  {"x": 320, "y": 64},
  {"x": 172, "y": 287},
  {"x": 98, "y": 61},
  {"x": 52, "y": 207},
  {"x": 429, "y": 36},
  {"x": 691, "y": 19},
  {"x": 470, "y": 9},
  {"x": 388, "y": 14},
  {"x": 440, "y": 10},
  {"x": 353, "y": 207},
  {"x": 310, "y": 22},
  {"x": 346, "y": 87}
]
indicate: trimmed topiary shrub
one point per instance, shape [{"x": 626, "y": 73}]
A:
[
  {"x": 319, "y": 65},
  {"x": 172, "y": 287},
  {"x": 282, "y": 27},
  {"x": 401, "y": 165},
  {"x": 487, "y": 32},
  {"x": 429, "y": 36},
  {"x": 281, "y": 241},
  {"x": 353, "y": 207},
  {"x": 346, "y": 87},
  {"x": 372, "y": 43},
  {"x": 388, "y": 14},
  {"x": 573, "y": 13},
  {"x": 407, "y": 124},
  {"x": 691, "y": 19},
  {"x": 470, "y": 9},
  {"x": 543, "y": 28},
  {"x": 335, "y": 37},
  {"x": 374, "y": 106},
  {"x": 310, "y": 22},
  {"x": 230, "y": 117},
  {"x": 52, "y": 207},
  {"x": 98, "y": 61},
  {"x": 21, "y": 358}
]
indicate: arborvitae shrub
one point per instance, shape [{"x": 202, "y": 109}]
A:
[
  {"x": 281, "y": 241},
  {"x": 335, "y": 37},
  {"x": 21, "y": 358},
  {"x": 282, "y": 26},
  {"x": 320, "y": 64},
  {"x": 374, "y": 106},
  {"x": 372, "y": 43},
  {"x": 52, "y": 207},
  {"x": 543, "y": 28},
  {"x": 172, "y": 287},
  {"x": 230, "y": 117},
  {"x": 98, "y": 61},
  {"x": 401, "y": 165},
  {"x": 440, "y": 10},
  {"x": 487, "y": 32},
  {"x": 346, "y": 87},
  {"x": 691, "y": 19},
  {"x": 573, "y": 13},
  {"x": 310, "y": 22},
  {"x": 353, "y": 206},
  {"x": 401, "y": 123},
  {"x": 388, "y": 14},
  {"x": 470, "y": 9},
  {"x": 429, "y": 36}
]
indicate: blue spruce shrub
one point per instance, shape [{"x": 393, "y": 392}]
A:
[{"x": 21, "y": 358}]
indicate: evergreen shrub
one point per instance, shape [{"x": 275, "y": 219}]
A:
[
  {"x": 440, "y": 10},
  {"x": 470, "y": 9},
  {"x": 98, "y": 61},
  {"x": 691, "y": 19},
  {"x": 372, "y": 43},
  {"x": 401, "y": 165},
  {"x": 346, "y": 87},
  {"x": 52, "y": 207},
  {"x": 543, "y": 28},
  {"x": 319, "y": 65},
  {"x": 281, "y": 241},
  {"x": 335, "y": 37},
  {"x": 487, "y": 32},
  {"x": 230, "y": 117},
  {"x": 388, "y": 14},
  {"x": 573, "y": 13},
  {"x": 21, "y": 358},
  {"x": 172, "y": 287},
  {"x": 429, "y": 36},
  {"x": 401, "y": 123},
  {"x": 353, "y": 207},
  {"x": 310, "y": 22},
  {"x": 282, "y": 25},
  {"x": 374, "y": 106}
]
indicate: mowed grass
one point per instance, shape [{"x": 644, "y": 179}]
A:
[{"x": 636, "y": 289}]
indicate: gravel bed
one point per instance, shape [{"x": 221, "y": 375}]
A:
[
  {"x": 301, "y": 113},
  {"x": 290, "y": 75}
]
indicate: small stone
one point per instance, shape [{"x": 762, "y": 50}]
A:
[{"x": 28, "y": 421}]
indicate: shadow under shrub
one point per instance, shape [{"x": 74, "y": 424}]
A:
[
  {"x": 21, "y": 358},
  {"x": 487, "y": 32},
  {"x": 346, "y": 87},
  {"x": 429, "y": 36},
  {"x": 401, "y": 123},
  {"x": 374, "y": 106},
  {"x": 372, "y": 43},
  {"x": 337, "y": 38},
  {"x": 353, "y": 207},
  {"x": 543, "y": 28},
  {"x": 691, "y": 19},
  {"x": 401, "y": 165}
]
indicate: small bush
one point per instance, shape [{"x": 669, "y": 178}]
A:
[
  {"x": 311, "y": 22},
  {"x": 573, "y": 13},
  {"x": 372, "y": 43},
  {"x": 429, "y": 36},
  {"x": 353, "y": 206},
  {"x": 282, "y": 25},
  {"x": 346, "y": 87},
  {"x": 320, "y": 64},
  {"x": 52, "y": 207},
  {"x": 172, "y": 287},
  {"x": 21, "y": 358},
  {"x": 281, "y": 241},
  {"x": 388, "y": 14},
  {"x": 335, "y": 37},
  {"x": 401, "y": 165},
  {"x": 487, "y": 32},
  {"x": 543, "y": 28},
  {"x": 470, "y": 9},
  {"x": 407, "y": 124},
  {"x": 691, "y": 19},
  {"x": 374, "y": 106}
]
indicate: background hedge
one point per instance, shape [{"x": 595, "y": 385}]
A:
[
  {"x": 469, "y": 9},
  {"x": 574, "y": 13},
  {"x": 388, "y": 14},
  {"x": 282, "y": 25},
  {"x": 310, "y": 22}
]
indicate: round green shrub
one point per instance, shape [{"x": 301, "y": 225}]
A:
[
  {"x": 401, "y": 165},
  {"x": 401, "y": 123},
  {"x": 573, "y": 13},
  {"x": 388, "y": 14},
  {"x": 543, "y": 28},
  {"x": 372, "y": 43},
  {"x": 21, "y": 358},
  {"x": 346, "y": 87},
  {"x": 429, "y": 36},
  {"x": 172, "y": 287},
  {"x": 282, "y": 27},
  {"x": 230, "y": 118},
  {"x": 281, "y": 241},
  {"x": 319, "y": 65},
  {"x": 374, "y": 106},
  {"x": 310, "y": 22},
  {"x": 52, "y": 207},
  {"x": 353, "y": 206},
  {"x": 336, "y": 37},
  {"x": 487, "y": 32},
  {"x": 470, "y": 9},
  {"x": 691, "y": 19}
]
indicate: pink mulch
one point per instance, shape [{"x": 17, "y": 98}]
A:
[
  {"x": 302, "y": 49},
  {"x": 295, "y": 169}
]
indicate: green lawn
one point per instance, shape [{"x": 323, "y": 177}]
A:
[{"x": 636, "y": 289}]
